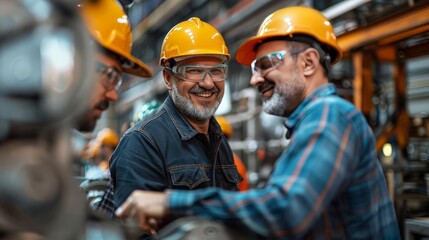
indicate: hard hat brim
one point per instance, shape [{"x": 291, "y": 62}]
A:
[
  {"x": 246, "y": 52},
  {"x": 131, "y": 65},
  {"x": 134, "y": 66},
  {"x": 137, "y": 68}
]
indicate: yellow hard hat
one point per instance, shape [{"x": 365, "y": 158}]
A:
[
  {"x": 225, "y": 126},
  {"x": 109, "y": 25},
  {"x": 287, "y": 22},
  {"x": 107, "y": 136},
  {"x": 193, "y": 37}
]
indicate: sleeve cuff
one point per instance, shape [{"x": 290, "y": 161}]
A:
[{"x": 177, "y": 201}]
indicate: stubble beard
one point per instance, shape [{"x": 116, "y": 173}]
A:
[
  {"x": 88, "y": 122},
  {"x": 285, "y": 97}
]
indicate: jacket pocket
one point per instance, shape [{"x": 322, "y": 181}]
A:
[
  {"x": 232, "y": 175},
  {"x": 189, "y": 176}
]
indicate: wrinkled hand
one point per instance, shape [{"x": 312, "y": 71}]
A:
[{"x": 144, "y": 207}]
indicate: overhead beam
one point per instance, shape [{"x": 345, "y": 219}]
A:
[
  {"x": 399, "y": 27},
  {"x": 343, "y": 7},
  {"x": 415, "y": 51},
  {"x": 168, "y": 8}
]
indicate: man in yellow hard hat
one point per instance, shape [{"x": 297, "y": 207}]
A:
[
  {"x": 180, "y": 145},
  {"x": 328, "y": 183},
  {"x": 110, "y": 28}
]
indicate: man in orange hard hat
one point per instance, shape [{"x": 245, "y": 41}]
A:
[
  {"x": 228, "y": 131},
  {"x": 110, "y": 28},
  {"x": 98, "y": 151},
  {"x": 108, "y": 140},
  {"x": 328, "y": 183}
]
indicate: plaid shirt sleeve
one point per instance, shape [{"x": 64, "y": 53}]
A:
[
  {"x": 324, "y": 184},
  {"x": 107, "y": 204}
]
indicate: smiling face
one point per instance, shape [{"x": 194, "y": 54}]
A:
[
  {"x": 281, "y": 87},
  {"x": 101, "y": 96},
  {"x": 198, "y": 101}
]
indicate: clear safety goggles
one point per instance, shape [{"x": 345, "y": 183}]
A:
[
  {"x": 112, "y": 78},
  {"x": 264, "y": 63},
  {"x": 197, "y": 73}
]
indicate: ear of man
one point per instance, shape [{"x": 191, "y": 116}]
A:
[
  {"x": 167, "y": 79},
  {"x": 310, "y": 61}
]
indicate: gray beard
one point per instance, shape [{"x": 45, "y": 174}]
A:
[
  {"x": 275, "y": 105},
  {"x": 285, "y": 98},
  {"x": 186, "y": 106}
]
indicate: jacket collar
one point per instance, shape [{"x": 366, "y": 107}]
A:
[{"x": 291, "y": 121}]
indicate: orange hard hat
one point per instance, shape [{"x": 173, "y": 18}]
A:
[
  {"x": 287, "y": 22},
  {"x": 110, "y": 27},
  {"x": 225, "y": 126},
  {"x": 193, "y": 37},
  {"x": 107, "y": 136}
]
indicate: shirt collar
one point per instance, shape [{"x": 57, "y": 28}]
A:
[{"x": 324, "y": 90}]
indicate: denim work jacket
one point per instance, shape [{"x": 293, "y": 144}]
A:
[{"x": 163, "y": 151}]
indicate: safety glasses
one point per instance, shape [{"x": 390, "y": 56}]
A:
[
  {"x": 263, "y": 64},
  {"x": 197, "y": 73},
  {"x": 112, "y": 78}
]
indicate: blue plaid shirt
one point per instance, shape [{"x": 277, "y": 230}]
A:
[
  {"x": 327, "y": 184},
  {"x": 107, "y": 204}
]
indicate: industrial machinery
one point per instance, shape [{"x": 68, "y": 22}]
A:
[{"x": 39, "y": 199}]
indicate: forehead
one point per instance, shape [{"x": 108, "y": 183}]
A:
[
  {"x": 109, "y": 60},
  {"x": 271, "y": 46},
  {"x": 200, "y": 61}
]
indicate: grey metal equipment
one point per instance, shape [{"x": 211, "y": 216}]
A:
[
  {"x": 45, "y": 70},
  {"x": 198, "y": 228},
  {"x": 94, "y": 190},
  {"x": 45, "y": 65}
]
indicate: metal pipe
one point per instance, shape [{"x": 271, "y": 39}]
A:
[{"x": 343, "y": 7}]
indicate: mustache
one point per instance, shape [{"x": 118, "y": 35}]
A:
[
  {"x": 197, "y": 89},
  {"x": 103, "y": 105},
  {"x": 265, "y": 85}
]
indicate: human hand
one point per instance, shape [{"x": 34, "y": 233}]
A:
[{"x": 145, "y": 208}]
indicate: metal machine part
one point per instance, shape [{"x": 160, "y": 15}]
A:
[
  {"x": 204, "y": 229},
  {"x": 45, "y": 65},
  {"x": 37, "y": 193},
  {"x": 46, "y": 60}
]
